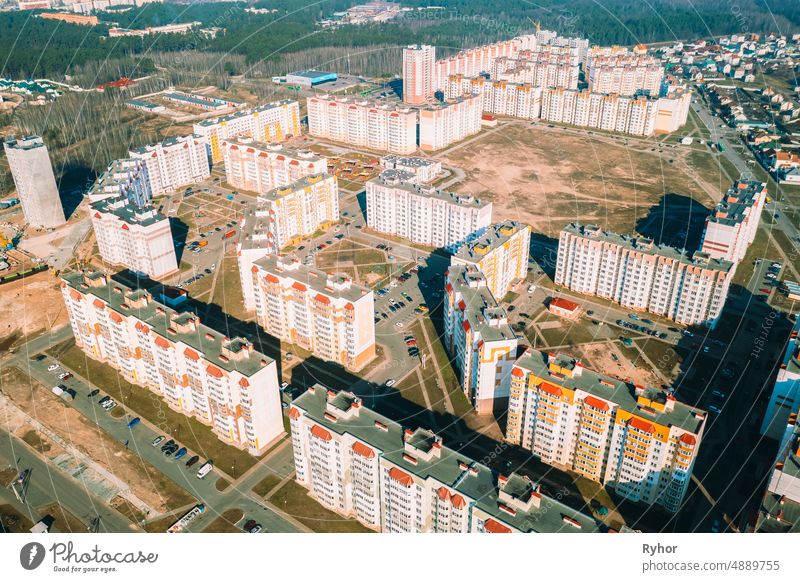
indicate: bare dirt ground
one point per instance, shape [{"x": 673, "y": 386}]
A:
[
  {"x": 30, "y": 306},
  {"x": 549, "y": 177},
  {"x": 146, "y": 483},
  {"x": 599, "y": 358}
]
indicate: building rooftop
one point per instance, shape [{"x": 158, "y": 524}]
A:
[
  {"x": 647, "y": 246},
  {"x": 166, "y": 143},
  {"x": 408, "y": 161},
  {"x": 244, "y": 113},
  {"x": 421, "y": 452},
  {"x": 278, "y": 149},
  {"x": 337, "y": 285},
  {"x": 735, "y": 205},
  {"x": 29, "y": 142},
  {"x": 311, "y": 74},
  {"x": 481, "y": 310},
  {"x": 496, "y": 236},
  {"x": 428, "y": 191},
  {"x": 778, "y": 515},
  {"x": 648, "y": 403},
  {"x": 122, "y": 207},
  {"x": 230, "y": 354}
]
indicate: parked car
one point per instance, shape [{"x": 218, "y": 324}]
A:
[
  {"x": 390, "y": 382},
  {"x": 256, "y": 528},
  {"x": 158, "y": 440},
  {"x": 133, "y": 422},
  {"x": 249, "y": 524},
  {"x": 93, "y": 393},
  {"x": 192, "y": 461},
  {"x": 181, "y": 453},
  {"x": 53, "y": 367},
  {"x": 167, "y": 444}
]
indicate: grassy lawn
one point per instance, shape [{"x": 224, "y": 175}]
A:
[
  {"x": 412, "y": 390},
  {"x": 225, "y": 523},
  {"x": 294, "y": 500},
  {"x": 12, "y": 521},
  {"x": 65, "y": 522},
  {"x": 266, "y": 485},
  {"x": 595, "y": 495},
  {"x": 189, "y": 431},
  {"x": 760, "y": 248},
  {"x": 228, "y": 290},
  {"x": 663, "y": 356},
  {"x": 571, "y": 333}
]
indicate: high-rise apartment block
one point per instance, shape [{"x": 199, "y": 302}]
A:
[
  {"x": 423, "y": 215},
  {"x": 34, "y": 180},
  {"x": 785, "y": 397},
  {"x": 501, "y": 254},
  {"x": 395, "y": 479},
  {"x": 139, "y": 239},
  {"x": 442, "y": 124},
  {"x": 733, "y": 223},
  {"x": 200, "y": 372},
  {"x": 327, "y": 314},
  {"x": 285, "y": 216},
  {"x": 126, "y": 177},
  {"x": 672, "y": 110},
  {"x": 174, "y": 162},
  {"x": 418, "y": 73},
  {"x": 424, "y": 170},
  {"x": 364, "y": 123},
  {"x": 640, "y": 442},
  {"x": 499, "y": 97},
  {"x": 545, "y": 67},
  {"x": 780, "y": 507},
  {"x": 625, "y": 74},
  {"x": 260, "y": 167},
  {"x": 641, "y": 275},
  {"x": 273, "y": 122},
  {"x": 473, "y": 62},
  {"x": 480, "y": 341}
]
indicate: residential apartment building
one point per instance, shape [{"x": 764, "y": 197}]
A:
[
  {"x": 640, "y": 442},
  {"x": 733, "y": 223},
  {"x": 259, "y": 167},
  {"x": 672, "y": 110},
  {"x": 174, "y": 162},
  {"x": 395, "y": 479},
  {"x": 625, "y": 74},
  {"x": 785, "y": 397},
  {"x": 479, "y": 339},
  {"x": 363, "y": 123},
  {"x": 446, "y": 123},
  {"x": 553, "y": 67},
  {"x": 139, "y": 239},
  {"x": 197, "y": 371},
  {"x": 640, "y": 275},
  {"x": 499, "y": 97},
  {"x": 285, "y": 216},
  {"x": 273, "y": 122},
  {"x": 126, "y": 177},
  {"x": 423, "y": 215},
  {"x": 418, "y": 73},
  {"x": 473, "y": 62},
  {"x": 501, "y": 254},
  {"x": 423, "y": 169},
  {"x": 34, "y": 180},
  {"x": 780, "y": 507},
  {"x": 326, "y": 314},
  {"x": 631, "y": 115}
]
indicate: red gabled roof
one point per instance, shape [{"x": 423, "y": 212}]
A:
[
  {"x": 244, "y": 383},
  {"x": 401, "y": 477},
  {"x": 596, "y": 403},
  {"x": 517, "y": 372},
  {"x": 191, "y": 354},
  {"x": 270, "y": 277},
  {"x": 363, "y": 450},
  {"x": 458, "y": 501},
  {"x": 443, "y": 493},
  {"x": 550, "y": 389},
  {"x": 299, "y": 286},
  {"x": 640, "y": 424},
  {"x": 494, "y": 526},
  {"x": 322, "y": 299},
  {"x": 99, "y": 304},
  {"x": 689, "y": 439},
  {"x": 115, "y": 317},
  {"x": 294, "y": 413},
  {"x": 214, "y": 371},
  {"x": 321, "y": 433},
  {"x": 565, "y": 304},
  {"x": 162, "y": 343}
]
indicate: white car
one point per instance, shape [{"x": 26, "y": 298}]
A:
[
  {"x": 53, "y": 367},
  {"x": 284, "y": 385},
  {"x": 390, "y": 382}
]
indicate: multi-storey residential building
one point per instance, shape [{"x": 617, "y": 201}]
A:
[
  {"x": 200, "y": 372},
  {"x": 34, "y": 180},
  {"x": 672, "y": 110},
  {"x": 473, "y": 62},
  {"x": 175, "y": 162},
  {"x": 260, "y": 167},
  {"x": 127, "y": 177},
  {"x": 499, "y": 97},
  {"x": 785, "y": 397},
  {"x": 326, "y": 314},
  {"x": 423, "y": 169},
  {"x": 625, "y": 74},
  {"x": 631, "y": 115},
  {"x": 363, "y": 123},
  {"x": 733, "y": 223},
  {"x": 641, "y": 442},
  {"x": 780, "y": 507},
  {"x": 396, "y": 479},
  {"x": 139, "y": 239},
  {"x": 479, "y": 339},
  {"x": 545, "y": 67},
  {"x": 501, "y": 254},
  {"x": 418, "y": 73},
  {"x": 284, "y": 216},
  {"x": 423, "y": 215},
  {"x": 445, "y": 123},
  {"x": 642, "y": 275},
  {"x": 273, "y": 122}
]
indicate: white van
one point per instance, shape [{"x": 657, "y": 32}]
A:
[{"x": 205, "y": 469}]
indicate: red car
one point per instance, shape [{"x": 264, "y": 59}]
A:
[{"x": 411, "y": 342}]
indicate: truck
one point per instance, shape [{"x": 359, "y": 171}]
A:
[
  {"x": 205, "y": 469},
  {"x": 229, "y": 234}
]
